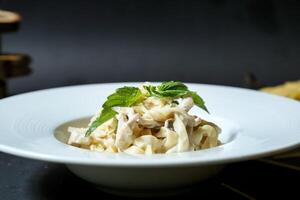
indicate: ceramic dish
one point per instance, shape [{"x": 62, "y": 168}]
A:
[{"x": 254, "y": 124}]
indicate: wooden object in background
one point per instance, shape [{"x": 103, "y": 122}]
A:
[
  {"x": 11, "y": 64},
  {"x": 14, "y": 65},
  {"x": 251, "y": 82},
  {"x": 9, "y": 21},
  {"x": 2, "y": 89}
]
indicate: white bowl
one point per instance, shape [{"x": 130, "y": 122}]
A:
[{"x": 254, "y": 124}]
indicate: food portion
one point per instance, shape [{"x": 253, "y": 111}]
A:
[
  {"x": 289, "y": 89},
  {"x": 148, "y": 120}
]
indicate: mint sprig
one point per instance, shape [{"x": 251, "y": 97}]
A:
[
  {"x": 123, "y": 97},
  {"x": 175, "y": 89}
]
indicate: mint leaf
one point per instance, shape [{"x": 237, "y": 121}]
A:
[
  {"x": 172, "y": 85},
  {"x": 167, "y": 89},
  {"x": 175, "y": 89},
  {"x": 198, "y": 100},
  {"x": 150, "y": 89},
  {"x": 123, "y": 97},
  {"x": 173, "y": 93},
  {"x": 106, "y": 114}
]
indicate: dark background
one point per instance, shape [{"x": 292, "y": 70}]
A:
[
  {"x": 217, "y": 41},
  {"x": 89, "y": 41}
]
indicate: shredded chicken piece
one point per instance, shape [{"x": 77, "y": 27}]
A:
[
  {"x": 124, "y": 135},
  {"x": 197, "y": 121},
  {"x": 186, "y": 104},
  {"x": 148, "y": 122},
  {"x": 154, "y": 102},
  {"x": 183, "y": 139},
  {"x": 78, "y": 138}
]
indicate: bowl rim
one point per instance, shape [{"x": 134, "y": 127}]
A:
[
  {"x": 169, "y": 163},
  {"x": 158, "y": 162}
]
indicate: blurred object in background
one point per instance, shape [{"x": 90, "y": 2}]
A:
[
  {"x": 11, "y": 64},
  {"x": 289, "y": 89},
  {"x": 214, "y": 42},
  {"x": 252, "y": 82}
]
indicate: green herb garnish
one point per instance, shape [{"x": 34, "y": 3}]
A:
[
  {"x": 129, "y": 96},
  {"x": 106, "y": 114},
  {"x": 175, "y": 89},
  {"x": 123, "y": 97}
]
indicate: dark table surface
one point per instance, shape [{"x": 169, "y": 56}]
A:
[{"x": 258, "y": 179}]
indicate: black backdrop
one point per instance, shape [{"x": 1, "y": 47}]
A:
[{"x": 217, "y": 41}]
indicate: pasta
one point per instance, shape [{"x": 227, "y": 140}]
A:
[{"x": 154, "y": 125}]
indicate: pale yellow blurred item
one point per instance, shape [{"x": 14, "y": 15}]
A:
[{"x": 289, "y": 89}]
